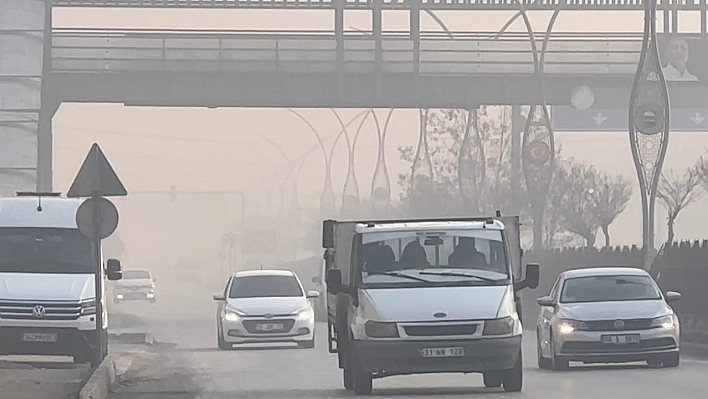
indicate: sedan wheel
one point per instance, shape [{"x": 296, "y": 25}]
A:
[
  {"x": 556, "y": 362},
  {"x": 543, "y": 363}
]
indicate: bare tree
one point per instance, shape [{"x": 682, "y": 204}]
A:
[
  {"x": 609, "y": 196},
  {"x": 677, "y": 192},
  {"x": 702, "y": 170},
  {"x": 576, "y": 182}
]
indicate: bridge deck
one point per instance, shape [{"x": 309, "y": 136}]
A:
[{"x": 580, "y": 5}]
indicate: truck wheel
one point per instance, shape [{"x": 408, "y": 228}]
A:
[
  {"x": 672, "y": 360},
  {"x": 363, "y": 381},
  {"x": 513, "y": 379},
  {"x": 492, "y": 379}
]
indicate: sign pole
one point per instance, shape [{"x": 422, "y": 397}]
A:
[{"x": 98, "y": 280}]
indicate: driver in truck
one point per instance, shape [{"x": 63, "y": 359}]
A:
[{"x": 426, "y": 296}]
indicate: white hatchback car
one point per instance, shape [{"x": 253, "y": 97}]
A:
[
  {"x": 607, "y": 315},
  {"x": 265, "y": 306}
]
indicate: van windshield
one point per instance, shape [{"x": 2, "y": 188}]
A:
[
  {"x": 45, "y": 250},
  {"x": 448, "y": 258}
]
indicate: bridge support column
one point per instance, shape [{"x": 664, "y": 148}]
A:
[
  {"x": 414, "y": 28},
  {"x": 518, "y": 125},
  {"x": 339, "y": 38},
  {"x": 377, "y": 27},
  {"x": 49, "y": 107},
  {"x": 23, "y": 29}
]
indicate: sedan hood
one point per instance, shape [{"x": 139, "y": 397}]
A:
[
  {"x": 420, "y": 304},
  {"x": 46, "y": 287},
  {"x": 263, "y": 306},
  {"x": 614, "y": 310}
]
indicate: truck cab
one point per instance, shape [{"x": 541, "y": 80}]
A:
[
  {"x": 426, "y": 296},
  {"x": 47, "y": 285}
]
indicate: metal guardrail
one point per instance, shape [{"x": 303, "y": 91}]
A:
[
  {"x": 463, "y": 54},
  {"x": 597, "y": 5}
]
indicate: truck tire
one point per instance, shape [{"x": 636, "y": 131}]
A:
[
  {"x": 513, "y": 379},
  {"x": 363, "y": 381},
  {"x": 492, "y": 379}
]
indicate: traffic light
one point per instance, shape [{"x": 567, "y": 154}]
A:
[{"x": 173, "y": 193}]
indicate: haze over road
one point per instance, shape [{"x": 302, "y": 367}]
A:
[{"x": 193, "y": 368}]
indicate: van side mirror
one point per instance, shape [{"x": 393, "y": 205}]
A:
[
  {"x": 533, "y": 274},
  {"x": 334, "y": 281},
  {"x": 672, "y": 296},
  {"x": 328, "y": 233},
  {"x": 113, "y": 270},
  {"x": 546, "y": 301}
]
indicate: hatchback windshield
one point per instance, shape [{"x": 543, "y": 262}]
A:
[
  {"x": 609, "y": 289},
  {"x": 437, "y": 257},
  {"x": 45, "y": 250},
  {"x": 136, "y": 275},
  {"x": 265, "y": 286}
]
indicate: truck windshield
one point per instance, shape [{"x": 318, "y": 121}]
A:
[
  {"x": 45, "y": 250},
  {"x": 468, "y": 257}
]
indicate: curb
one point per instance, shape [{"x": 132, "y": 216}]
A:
[{"x": 99, "y": 384}]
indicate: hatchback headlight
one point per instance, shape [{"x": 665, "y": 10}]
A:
[
  {"x": 377, "y": 329},
  {"x": 88, "y": 307},
  {"x": 304, "y": 313},
  {"x": 233, "y": 315},
  {"x": 503, "y": 326},
  {"x": 666, "y": 322}
]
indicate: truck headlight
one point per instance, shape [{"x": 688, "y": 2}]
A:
[
  {"x": 666, "y": 322},
  {"x": 88, "y": 307},
  {"x": 503, "y": 326},
  {"x": 377, "y": 329}
]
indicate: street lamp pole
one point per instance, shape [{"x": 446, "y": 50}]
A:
[{"x": 649, "y": 125}]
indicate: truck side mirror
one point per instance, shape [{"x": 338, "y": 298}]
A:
[
  {"x": 113, "y": 270},
  {"x": 328, "y": 234},
  {"x": 334, "y": 281},
  {"x": 533, "y": 274}
]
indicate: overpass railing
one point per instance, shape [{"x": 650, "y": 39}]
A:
[{"x": 313, "y": 52}]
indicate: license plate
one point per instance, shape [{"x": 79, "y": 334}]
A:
[
  {"x": 35, "y": 337},
  {"x": 620, "y": 339},
  {"x": 443, "y": 352},
  {"x": 270, "y": 327}
]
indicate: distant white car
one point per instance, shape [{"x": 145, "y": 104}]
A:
[
  {"x": 135, "y": 285},
  {"x": 607, "y": 315},
  {"x": 265, "y": 306}
]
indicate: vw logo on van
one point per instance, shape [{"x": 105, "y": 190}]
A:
[
  {"x": 39, "y": 312},
  {"x": 619, "y": 325},
  {"x": 439, "y": 315}
]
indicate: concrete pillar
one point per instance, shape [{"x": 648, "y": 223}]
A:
[
  {"x": 518, "y": 124},
  {"x": 22, "y": 36}
]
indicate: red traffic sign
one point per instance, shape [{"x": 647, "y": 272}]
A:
[{"x": 538, "y": 153}]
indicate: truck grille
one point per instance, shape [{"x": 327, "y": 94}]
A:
[
  {"x": 441, "y": 330},
  {"x": 37, "y": 310}
]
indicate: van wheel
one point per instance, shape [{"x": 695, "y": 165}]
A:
[
  {"x": 95, "y": 359},
  {"x": 492, "y": 379},
  {"x": 81, "y": 359},
  {"x": 513, "y": 379},
  {"x": 363, "y": 381}
]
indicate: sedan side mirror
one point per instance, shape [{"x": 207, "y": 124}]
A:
[
  {"x": 312, "y": 294},
  {"x": 546, "y": 301},
  {"x": 113, "y": 270},
  {"x": 219, "y": 297},
  {"x": 672, "y": 296}
]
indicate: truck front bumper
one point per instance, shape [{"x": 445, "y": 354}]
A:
[
  {"x": 387, "y": 358},
  {"x": 60, "y": 341}
]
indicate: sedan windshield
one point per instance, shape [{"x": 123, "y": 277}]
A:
[
  {"x": 136, "y": 275},
  {"x": 265, "y": 287},
  {"x": 468, "y": 257},
  {"x": 609, "y": 289}
]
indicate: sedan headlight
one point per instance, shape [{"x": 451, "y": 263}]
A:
[
  {"x": 233, "y": 315},
  {"x": 377, "y": 329},
  {"x": 568, "y": 326},
  {"x": 666, "y": 322},
  {"x": 304, "y": 313},
  {"x": 88, "y": 307},
  {"x": 503, "y": 326}
]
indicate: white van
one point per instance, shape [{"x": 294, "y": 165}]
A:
[
  {"x": 426, "y": 296},
  {"x": 47, "y": 290}
]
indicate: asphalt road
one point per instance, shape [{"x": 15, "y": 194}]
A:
[{"x": 193, "y": 368}]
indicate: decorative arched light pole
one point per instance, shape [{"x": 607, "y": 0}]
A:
[
  {"x": 381, "y": 183},
  {"x": 538, "y": 144},
  {"x": 649, "y": 117},
  {"x": 421, "y": 179}
]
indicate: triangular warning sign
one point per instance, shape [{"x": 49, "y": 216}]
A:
[{"x": 96, "y": 175}]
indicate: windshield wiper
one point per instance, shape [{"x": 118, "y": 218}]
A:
[
  {"x": 459, "y": 274},
  {"x": 399, "y": 274}
]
